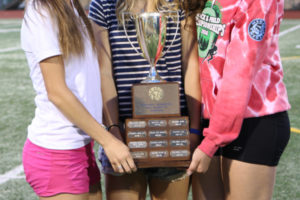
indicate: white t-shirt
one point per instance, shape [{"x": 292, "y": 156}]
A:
[{"x": 50, "y": 128}]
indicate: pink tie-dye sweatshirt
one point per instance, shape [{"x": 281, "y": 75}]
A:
[{"x": 240, "y": 67}]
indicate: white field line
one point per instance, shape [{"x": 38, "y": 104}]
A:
[
  {"x": 12, "y": 174},
  {"x": 10, "y": 22},
  {"x": 289, "y": 30},
  {"x": 10, "y": 49},
  {"x": 9, "y": 30}
]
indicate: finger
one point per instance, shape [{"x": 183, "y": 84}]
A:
[
  {"x": 115, "y": 168},
  {"x": 200, "y": 169},
  {"x": 126, "y": 167},
  {"x": 192, "y": 167},
  {"x": 131, "y": 164},
  {"x": 118, "y": 168}
]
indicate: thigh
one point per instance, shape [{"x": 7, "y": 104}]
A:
[
  {"x": 44, "y": 169},
  {"x": 95, "y": 192},
  {"x": 126, "y": 187},
  {"x": 209, "y": 185},
  {"x": 66, "y": 197},
  {"x": 164, "y": 189},
  {"x": 262, "y": 140},
  {"x": 247, "y": 181}
]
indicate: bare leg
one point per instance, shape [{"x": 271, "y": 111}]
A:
[
  {"x": 161, "y": 189},
  {"x": 247, "y": 181},
  {"x": 209, "y": 186},
  {"x": 67, "y": 197},
  {"x": 95, "y": 192},
  {"x": 126, "y": 187}
]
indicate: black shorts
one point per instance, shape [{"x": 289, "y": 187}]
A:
[{"x": 262, "y": 140}]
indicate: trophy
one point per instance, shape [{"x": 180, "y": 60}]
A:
[{"x": 157, "y": 135}]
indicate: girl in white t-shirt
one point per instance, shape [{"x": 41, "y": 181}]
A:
[{"x": 58, "y": 157}]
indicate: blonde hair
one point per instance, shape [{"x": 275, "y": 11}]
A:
[
  {"x": 69, "y": 25},
  {"x": 128, "y": 5},
  {"x": 190, "y": 7}
]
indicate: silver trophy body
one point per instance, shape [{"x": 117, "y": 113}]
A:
[{"x": 151, "y": 28}]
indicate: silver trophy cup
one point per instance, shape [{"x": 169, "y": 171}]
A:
[{"x": 151, "y": 29}]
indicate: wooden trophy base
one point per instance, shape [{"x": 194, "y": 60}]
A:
[{"x": 159, "y": 142}]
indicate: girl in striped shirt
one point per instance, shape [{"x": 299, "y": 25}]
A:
[{"x": 121, "y": 67}]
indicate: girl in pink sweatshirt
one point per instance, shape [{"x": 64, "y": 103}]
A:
[{"x": 246, "y": 126}]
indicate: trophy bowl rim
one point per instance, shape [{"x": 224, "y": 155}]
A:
[{"x": 151, "y": 14}]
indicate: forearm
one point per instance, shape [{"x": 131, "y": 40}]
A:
[
  {"x": 191, "y": 73},
  {"x": 193, "y": 97},
  {"x": 74, "y": 111},
  {"x": 108, "y": 88},
  {"x": 110, "y": 106},
  {"x": 61, "y": 96},
  {"x": 110, "y": 100}
]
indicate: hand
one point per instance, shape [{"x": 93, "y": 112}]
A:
[
  {"x": 119, "y": 156},
  {"x": 200, "y": 162}
]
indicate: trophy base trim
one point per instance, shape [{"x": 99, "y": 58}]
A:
[{"x": 168, "y": 163}]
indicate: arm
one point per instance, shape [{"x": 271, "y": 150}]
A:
[
  {"x": 61, "y": 96},
  {"x": 109, "y": 93},
  {"x": 191, "y": 77},
  {"x": 193, "y": 93}
]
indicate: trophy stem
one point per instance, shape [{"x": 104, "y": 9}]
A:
[{"x": 153, "y": 76}]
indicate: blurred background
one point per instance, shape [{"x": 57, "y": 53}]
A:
[{"x": 19, "y": 4}]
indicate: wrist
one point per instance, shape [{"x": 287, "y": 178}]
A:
[
  {"x": 195, "y": 131},
  {"x": 113, "y": 126}
]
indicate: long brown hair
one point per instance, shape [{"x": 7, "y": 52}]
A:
[
  {"x": 128, "y": 5},
  {"x": 191, "y": 7},
  {"x": 69, "y": 25}
]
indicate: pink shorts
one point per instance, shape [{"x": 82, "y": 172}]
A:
[{"x": 50, "y": 172}]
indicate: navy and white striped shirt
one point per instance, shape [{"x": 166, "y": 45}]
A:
[{"x": 130, "y": 67}]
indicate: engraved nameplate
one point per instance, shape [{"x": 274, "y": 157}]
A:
[
  {"x": 155, "y": 100},
  {"x": 137, "y": 134},
  {"x": 139, "y": 154},
  {"x": 157, "y": 123},
  {"x": 179, "y": 153},
  {"x": 178, "y": 133},
  {"x": 158, "y": 133},
  {"x": 136, "y": 124},
  {"x": 158, "y": 154},
  {"x": 177, "y": 122},
  {"x": 158, "y": 143},
  {"x": 137, "y": 144},
  {"x": 179, "y": 143}
]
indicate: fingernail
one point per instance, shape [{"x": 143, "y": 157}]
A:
[{"x": 189, "y": 173}]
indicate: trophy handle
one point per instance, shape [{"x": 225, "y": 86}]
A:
[
  {"x": 126, "y": 34},
  {"x": 177, "y": 28}
]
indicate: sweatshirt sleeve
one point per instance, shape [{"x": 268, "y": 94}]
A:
[{"x": 251, "y": 33}]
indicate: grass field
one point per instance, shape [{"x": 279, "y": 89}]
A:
[{"x": 17, "y": 110}]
